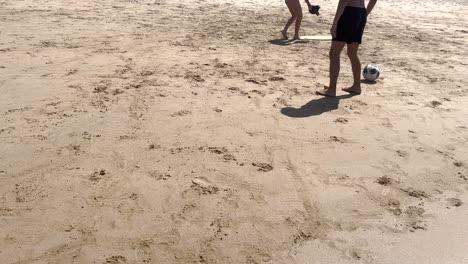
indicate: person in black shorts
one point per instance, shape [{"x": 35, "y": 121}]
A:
[{"x": 348, "y": 28}]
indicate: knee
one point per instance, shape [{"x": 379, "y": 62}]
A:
[
  {"x": 334, "y": 53},
  {"x": 352, "y": 55},
  {"x": 299, "y": 16}
]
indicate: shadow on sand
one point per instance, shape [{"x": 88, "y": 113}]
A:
[
  {"x": 286, "y": 42},
  {"x": 315, "y": 107},
  {"x": 368, "y": 82}
]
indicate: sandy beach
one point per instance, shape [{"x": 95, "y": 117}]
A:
[{"x": 163, "y": 131}]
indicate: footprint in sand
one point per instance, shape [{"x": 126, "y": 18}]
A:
[
  {"x": 337, "y": 139},
  {"x": 144, "y": 247},
  {"x": 71, "y": 72},
  {"x": 402, "y": 153},
  {"x": 154, "y": 146},
  {"x": 461, "y": 176},
  {"x": 86, "y": 135},
  {"x": 435, "y": 104},
  {"x": 265, "y": 167},
  {"x": 188, "y": 208},
  {"x": 280, "y": 101},
  {"x": 356, "y": 105},
  {"x": 415, "y": 193},
  {"x": 229, "y": 157},
  {"x": 72, "y": 148},
  {"x": 97, "y": 176},
  {"x": 178, "y": 150},
  {"x": 237, "y": 90},
  {"x": 47, "y": 44},
  {"x": 222, "y": 151},
  {"x": 384, "y": 180},
  {"x": 115, "y": 260},
  {"x": 454, "y": 202},
  {"x": 102, "y": 87},
  {"x": 413, "y": 215},
  {"x": 181, "y": 113},
  {"x": 358, "y": 254},
  {"x": 158, "y": 175},
  {"x": 23, "y": 109},
  {"x": 341, "y": 120},
  {"x": 259, "y": 82},
  {"x": 6, "y": 130},
  {"x": 194, "y": 77},
  {"x": 204, "y": 186},
  {"x": 393, "y": 206},
  {"x": 146, "y": 73},
  {"x": 30, "y": 190},
  {"x": 140, "y": 84},
  {"x": 218, "y": 150},
  {"x": 117, "y": 92},
  {"x": 123, "y": 70},
  {"x": 276, "y": 79},
  {"x": 40, "y": 137},
  {"x": 414, "y": 211}
]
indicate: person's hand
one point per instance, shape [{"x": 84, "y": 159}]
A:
[{"x": 333, "y": 31}]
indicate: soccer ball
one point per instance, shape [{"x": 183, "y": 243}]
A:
[{"x": 371, "y": 72}]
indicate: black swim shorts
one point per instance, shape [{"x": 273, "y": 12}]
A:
[{"x": 351, "y": 25}]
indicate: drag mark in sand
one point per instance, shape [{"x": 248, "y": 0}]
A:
[{"x": 313, "y": 226}]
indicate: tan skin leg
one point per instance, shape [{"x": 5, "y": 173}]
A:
[
  {"x": 356, "y": 66},
  {"x": 295, "y": 9},
  {"x": 335, "y": 52}
]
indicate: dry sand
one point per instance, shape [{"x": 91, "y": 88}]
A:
[{"x": 176, "y": 132}]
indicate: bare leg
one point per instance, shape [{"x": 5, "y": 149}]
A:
[
  {"x": 298, "y": 20},
  {"x": 335, "y": 52},
  {"x": 285, "y": 30},
  {"x": 356, "y": 66},
  {"x": 292, "y": 9}
]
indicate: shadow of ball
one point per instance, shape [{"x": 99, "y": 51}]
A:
[{"x": 368, "y": 82}]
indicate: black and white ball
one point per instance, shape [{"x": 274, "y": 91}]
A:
[{"x": 371, "y": 72}]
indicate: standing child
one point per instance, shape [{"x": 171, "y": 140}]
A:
[
  {"x": 348, "y": 28},
  {"x": 295, "y": 8}
]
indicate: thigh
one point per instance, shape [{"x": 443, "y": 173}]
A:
[
  {"x": 298, "y": 8},
  {"x": 337, "y": 46},
  {"x": 294, "y": 7},
  {"x": 353, "y": 48}
]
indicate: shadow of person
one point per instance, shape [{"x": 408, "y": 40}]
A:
[
  {"x": 286, "y": 42},
  {"x": 281, "y": 42},
  {"x": 315, "y": 107}
]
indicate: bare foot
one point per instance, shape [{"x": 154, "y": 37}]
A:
[
  {"x": 352, "y": 90},
  {"x": 327, "y": 92},
  {"x": 285, "y": 34}
]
